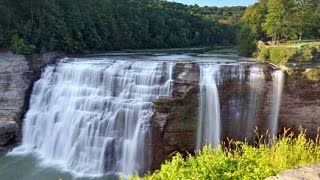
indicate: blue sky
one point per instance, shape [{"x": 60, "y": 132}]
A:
[{"x": 218, "y": 2}]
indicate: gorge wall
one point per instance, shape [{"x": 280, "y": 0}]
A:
[
  {"x": 174, "y": 125},
  {"x": 175, "y": 121},
  {"x": 176, "y": 118},
  {"x": 300, "y": 105},
  {"x": 17, "y": 74}
]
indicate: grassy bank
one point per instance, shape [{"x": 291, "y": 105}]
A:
[
  {"x": 289, "y": 53},
  {"x": 239, "y": 160}
]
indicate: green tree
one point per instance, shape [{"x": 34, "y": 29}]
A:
[
  {"x": 246, "y": 41},
  {"x": 81, "y": 26},
  {"x": 254, "y": 18},
  {"x": 274, "y": 20},
  {"x": 4, "y": 23}
]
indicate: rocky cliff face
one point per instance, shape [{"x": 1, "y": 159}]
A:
[
  {"x": 300, "y": 105},
  {"x": 244, "y": 101},
  {"x": 17, "y": 74},
  {"x": 174, "y": 124},
  {"x": 175, "y": 120}
]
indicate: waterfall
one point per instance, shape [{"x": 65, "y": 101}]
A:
[
  {"x": 243, "y": 95},
  {"x": 93, "y": 117},
  {"x": 209, "y": 111},
  {"x": 277, "y": 87},
  {"x": 256, "y": 87},
  {"x": 244, "y": 90}
]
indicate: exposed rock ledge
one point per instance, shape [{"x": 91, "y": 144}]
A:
[
  {"x": 174, "y": 123},
  {"x": 311, "y": 172},
  {"x": 17, "y": 74}
]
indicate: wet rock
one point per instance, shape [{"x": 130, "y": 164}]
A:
[
  {"x": 17, "y": 74},
  {"x": 14, "y": 83},
  {"x": 8, "y": 132},
  {"x": 300, "y": 105},
  {"x": 174, "y": 124}
]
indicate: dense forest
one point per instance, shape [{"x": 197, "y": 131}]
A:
[
  {"x": 279, "y": 21},
  {"x": 82, "y": 26}
]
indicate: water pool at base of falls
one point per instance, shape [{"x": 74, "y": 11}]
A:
[{"x": 30, "y": 167}]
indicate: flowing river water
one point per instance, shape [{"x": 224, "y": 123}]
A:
[{"x": 90, "y": 117}]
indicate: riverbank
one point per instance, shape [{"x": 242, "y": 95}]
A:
[{"x": 291, "y": 55}]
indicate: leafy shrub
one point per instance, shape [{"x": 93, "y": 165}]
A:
[
  {"x": 305, "y": 53},
  {"x": 240, "y": 160},
  {"x": 246, "y": 42},
  {"x": 283, "y": 54},
  {"x": 19, "y": 46},
  {"x": 264, "y": 54},
  {"x": 312, "y": 74},
  {"x": 277, "y": 55},
  {"x": 309, "y": 52}
]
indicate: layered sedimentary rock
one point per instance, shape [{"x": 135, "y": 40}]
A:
[
  {"x": 248, "y": 98},
  {"x": 300, "y": 105},
  {"x": 243, "y": 101},
  {"x": 17, "y": 75},
  {"x": 174, "y": 124}
]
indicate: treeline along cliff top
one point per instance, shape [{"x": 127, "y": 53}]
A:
[{"x": 82, "y": 26}]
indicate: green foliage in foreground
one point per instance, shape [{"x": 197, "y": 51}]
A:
[{"x": 240, "y": 160}]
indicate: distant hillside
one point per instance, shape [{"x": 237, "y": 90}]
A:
[{"x": 82, "y": 26}]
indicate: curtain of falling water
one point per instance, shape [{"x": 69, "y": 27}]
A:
[
  {"x": 243, "y": 102},
  {"x": 256, "y": 87},
  {"x": 209, "y": 116},
  {"x": 93, "y": 117},
  {"x": 278, "y": 81}
]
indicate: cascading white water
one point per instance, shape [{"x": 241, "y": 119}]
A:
[
  {"x": 244, "y": 102},
  {"x": 93, "y": 117},
  {"x": 209, "y": 125},
  {"x": 256, "y": 83},
  {"x": 235, "y": 104},
  {"x": 243, "y": 93},
  {"x": 277, "y": 87}
]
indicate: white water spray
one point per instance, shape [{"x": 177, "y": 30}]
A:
[
  {"x": 278, "y": 82},
  {"x": 93, "y": 117},
  {"x": 209, "y": 125}
]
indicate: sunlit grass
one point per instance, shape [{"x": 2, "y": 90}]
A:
[{"x": 239, "y": 160}]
